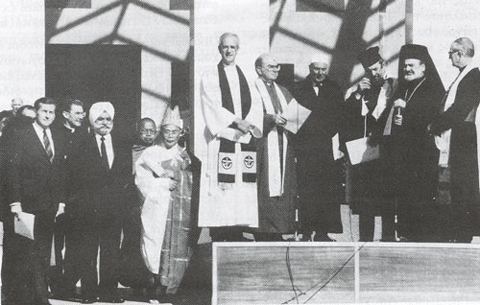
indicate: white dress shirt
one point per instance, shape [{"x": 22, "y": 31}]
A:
[
  {"x": 108, "y": 147},
  {"x": 39, "y": 131}
]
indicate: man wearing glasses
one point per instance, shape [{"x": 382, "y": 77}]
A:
[
  {"x": 277, "y": 190},
  {"x": 456, "y": 139}
]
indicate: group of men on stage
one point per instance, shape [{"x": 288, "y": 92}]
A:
[
  {"x": 260, "y": 175},
  {"x": 258, "y": 172}
]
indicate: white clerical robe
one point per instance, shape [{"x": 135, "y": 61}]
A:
[{"x": 226, "y": 204}]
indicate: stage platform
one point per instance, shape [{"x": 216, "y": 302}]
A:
[{"x": 345, "y": 273}]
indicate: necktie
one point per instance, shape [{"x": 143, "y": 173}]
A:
[
  {"x": 319, "y": 86},
  {"x": 103, "y": 151},
  {"x": 48, "y": 147}
]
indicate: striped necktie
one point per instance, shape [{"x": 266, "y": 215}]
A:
[{"x": 48, "y": 147}]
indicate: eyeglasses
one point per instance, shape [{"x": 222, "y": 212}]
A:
[
  {"x": 170, "y": 132},
  {"x": 452, "y": 52},
  {"x": 78, "y": 113}
]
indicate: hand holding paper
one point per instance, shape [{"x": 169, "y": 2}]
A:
[
  {"x": 296, "y": 115},
  {"x": 16, "y": 208},
  {"x": 24, "y": 225}
]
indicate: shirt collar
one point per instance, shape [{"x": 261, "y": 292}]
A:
[
  {"x": 70, "y": 128},
  {"x": 39, "y": 128},
  {"x": 106, "y": 137}
]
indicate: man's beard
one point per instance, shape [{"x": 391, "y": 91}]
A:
[{"x": 377, "y": 81}]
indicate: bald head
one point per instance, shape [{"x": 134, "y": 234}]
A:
[
  {"x": 147, "y": 131},
  {"x": 16, "y": 103}
]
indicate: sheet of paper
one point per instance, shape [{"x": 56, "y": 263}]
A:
[
  {"x": 360, "y": 151},
  {"x": 24, "y": 224},
  {"x": 296, "y": 115}
]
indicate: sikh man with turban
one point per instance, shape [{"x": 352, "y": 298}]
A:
[{"x": 101, "y": 170}]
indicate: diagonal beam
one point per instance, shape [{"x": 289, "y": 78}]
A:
[
  {"x": 162, "y": 12},
  {"x": 149, "y": 49},
  {"x": 86, "y": 18}
]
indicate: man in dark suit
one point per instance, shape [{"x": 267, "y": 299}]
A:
[
  {"x": 36, "y": 185},
  {"x": 319, "y": 212},
  {"x": 102, "y": 170},
  {"x": 70, "y": 127}
]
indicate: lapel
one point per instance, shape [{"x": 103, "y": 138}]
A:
[
  {"x": 115, "y": 153},
  {"x": 96, "y": 157},
  {"x": 312, "y": 98},
  {"x": 37, "y": 146}
]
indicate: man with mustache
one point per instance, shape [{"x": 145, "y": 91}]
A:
[
  {"x": 102, "y": 171},
  {"x": 413, "y": 152}
]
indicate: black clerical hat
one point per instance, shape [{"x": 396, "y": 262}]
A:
[
  {"x": 369, "y": 57},
  {"x": 415, "y": 51}
]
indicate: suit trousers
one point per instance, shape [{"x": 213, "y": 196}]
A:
[
  {"x": 95, "y": 232},
  {"x": 55, "y": 273},
  {"x": 27, "y": 261}
]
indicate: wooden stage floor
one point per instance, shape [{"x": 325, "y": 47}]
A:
[{"x": 333, "y": 273}]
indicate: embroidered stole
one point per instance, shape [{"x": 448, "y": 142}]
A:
[{"x": 227, "y": 160}]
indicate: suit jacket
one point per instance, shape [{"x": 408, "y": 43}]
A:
[
  {"x": 316, "y": 133},
  {"x": 101, "y": 191},
  {"x": 33, "y": 180}
]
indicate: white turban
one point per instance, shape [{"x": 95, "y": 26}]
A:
[
  {"x": 319, "y": 58},
  {"x": 98, "y": 108}
]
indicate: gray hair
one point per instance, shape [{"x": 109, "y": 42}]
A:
[
  {"x": 465, "y": 46},
  {"x": 227, "y": 34}
]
